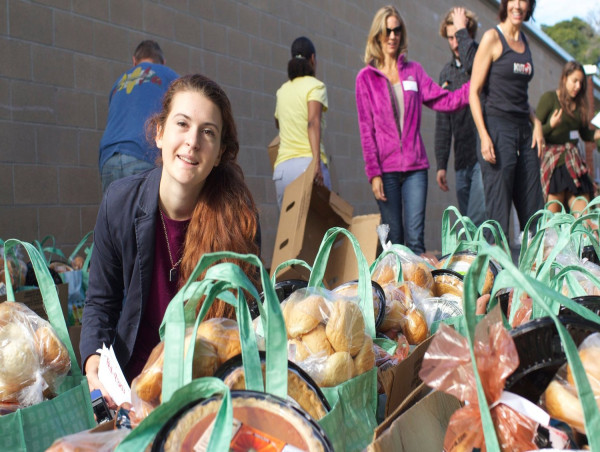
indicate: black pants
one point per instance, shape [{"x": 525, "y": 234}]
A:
[{"x": 515, "y": 177}]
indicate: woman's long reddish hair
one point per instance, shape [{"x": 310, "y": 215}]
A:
[{"x": 225, "y": 217}]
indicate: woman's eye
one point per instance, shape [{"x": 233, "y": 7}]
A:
[
  {"x": 209, "y": 132},
  {"x": 181, "y": 123}
]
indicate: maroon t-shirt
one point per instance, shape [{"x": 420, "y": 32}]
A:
[{"x": 161, "y": 292}]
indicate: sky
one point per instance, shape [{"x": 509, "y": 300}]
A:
[{"x": 549, "y": 12}]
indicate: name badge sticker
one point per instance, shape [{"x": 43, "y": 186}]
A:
[
  {"x": 574, "y": 134},
  {"x": 410, "y": 85}
]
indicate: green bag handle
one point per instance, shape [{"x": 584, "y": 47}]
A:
[
  {"x": 451, "y": 234},
  {"x": 365, "y": 291},
  {"x": 48, "y": 251},
  {"x": 219, "y": 279},
  {"x": 80, "y": 245},
  {"x": 497, "y": 234},
  {"x": 289, "y": 263},
  {"x": 540, "y": 293},
  {"x": 141, "y": 436},
  {"x": 49, "y": 296}
]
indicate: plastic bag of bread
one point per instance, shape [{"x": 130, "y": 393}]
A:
[
  {"x": 561, "y": 399},
  {"x": 447, "y": 367},
  {"x": 403, "y": 314},
  {"x": 33, "y": 360},
  {"x": 413, "y": 268},
  {"x": 217, "y": 340},
  {"x": 326, "y": 336},
  {"x": 88, "y": 441},
  {"x": 16, "y": 269}
]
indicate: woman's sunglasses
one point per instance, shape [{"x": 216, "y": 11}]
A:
[{"x": 397, "y": 30}]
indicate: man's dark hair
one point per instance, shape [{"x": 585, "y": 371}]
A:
[{"x": 149, "y": 50}]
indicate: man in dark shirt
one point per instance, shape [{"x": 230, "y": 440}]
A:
[{"x": 459, "y": 27}]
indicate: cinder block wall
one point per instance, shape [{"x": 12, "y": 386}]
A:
[{"x": 61, "y": 57}]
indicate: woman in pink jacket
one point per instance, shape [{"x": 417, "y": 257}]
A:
[{"x": 390, "y": 92}]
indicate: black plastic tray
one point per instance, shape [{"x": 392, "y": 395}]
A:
[
  {"x": 541, "y": 353},
  {"x": 592, "y": 302},
  {"x": 283, "y": 289}
]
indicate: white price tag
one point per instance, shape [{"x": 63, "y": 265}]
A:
[{"x": 111, "y": 376}]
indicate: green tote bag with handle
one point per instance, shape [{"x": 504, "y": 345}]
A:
[{"x": 36, "y": 427}]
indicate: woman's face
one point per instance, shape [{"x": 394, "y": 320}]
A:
[
  {"x": 573, "y": 83},
  {"x": 190, "y": 141},
  {"x": 390, "y": 38},
  {"x": 516, "y": 11}
]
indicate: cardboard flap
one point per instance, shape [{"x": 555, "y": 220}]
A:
[
  {"x": 421, "y": 427},
  {"x": 273, "y": 149},
  {"x": 399, "y": 381},
  {"x": 341, "y": 207}
]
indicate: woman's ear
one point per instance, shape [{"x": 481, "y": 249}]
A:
[{"x": 158, "y": 137}]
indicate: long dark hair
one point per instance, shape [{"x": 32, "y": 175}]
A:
[
  {"x": 225, "y": 217},
  {"x": 300, "y": 64},
  {"x": 568, "y": 104}
]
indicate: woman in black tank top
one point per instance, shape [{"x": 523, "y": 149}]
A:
[{"x": 510, "y": 147}]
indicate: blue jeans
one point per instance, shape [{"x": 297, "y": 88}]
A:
[
  {"x": 404, "y": 210},
  {"x": 469, "y": 192},
  {"x": 121, "y": 165}
]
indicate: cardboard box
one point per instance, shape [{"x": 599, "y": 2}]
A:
[
  {"x": 75, "y": 335},
  {"x": 273, "y": 149},
  {"x": 420, "y": 427},
  {"x": 307, "y": 212},
  {"x": 33, "y": 299},
  {"x": 402, "y": 380}
]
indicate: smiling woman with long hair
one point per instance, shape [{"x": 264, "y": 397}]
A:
[{"x": 153, "y": 228}]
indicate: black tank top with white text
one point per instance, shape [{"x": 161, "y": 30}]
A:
[{"x": 508, "y": 79}]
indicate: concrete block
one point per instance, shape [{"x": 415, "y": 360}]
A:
[
  {"x": 214, "y": 37},
  {"x": 33, "y": 103},
  {"x": 109, "y": 42},
  {"x": 57, "y": 146},
  {"x": 73, "y": 33},
  {"x": 129, "y": 14},
  {"x": 52, "y": 66},
  {"x": 30, "y": 22},
  {"x": 98, "y": 9},
  {"x": 18, "y": 142},
  {"x": 19, "y": 55},
  {"x": 62, "y": 222},
  {"x": 35, "y": 185},
  {"x": 79, "y": 186},
  {"x": 159, "y": 20},
  {"x": 6, "y": 184},
  {"x": 18, "y": 222},
  {"x": 76, "y": 109}
]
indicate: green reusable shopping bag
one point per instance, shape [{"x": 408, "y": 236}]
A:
[
  {"x": 510, "y": 276},
  {"x": 352, "y": 419},
  {"x": 36, "y": 427},
  {"x": 178, "y": 388}
]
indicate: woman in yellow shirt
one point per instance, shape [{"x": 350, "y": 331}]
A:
[{"x": 301, "y": 102}]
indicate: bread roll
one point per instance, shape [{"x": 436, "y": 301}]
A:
[
  {"x": 398, "y": 299},
  {"x": 590, "y": 358},
  {"x": 365, "y": 359},
  {"x": 53, "y": 352},
  {"x": 384, "y": 274},
  {"x": 316, "y": 342},
  {"x": 224, "y": 335},
  {"x": 300, "y": 352},
  {"x": 206, "y": 359},
  {"x": 414, "y": 327},
  {"x": 419, "y": 273},
  {"x": 338, "y": 369},
  {"x": 346, "y": 327},
  {"x": 148, "y": 384},
  {"x": 304, "y": 315},
  {"x": 563, "y": 405},
  {"x": 19, "y": 359}
]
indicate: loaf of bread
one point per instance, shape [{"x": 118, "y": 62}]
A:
[
  {"x": 419, "y": 273},
  {"x": 346, "y": 327},
  {"x": 339, "y": 368},
  {"x": 303, "y": 315},
  {"x": 563, "y": 404}
]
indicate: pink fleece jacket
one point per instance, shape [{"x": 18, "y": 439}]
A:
[{"x": 383, "y": 150}]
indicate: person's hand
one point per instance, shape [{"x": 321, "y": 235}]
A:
[
  {"x": 91, "y": 372},
  {"x": 481, "y": 304},
  {"x": 538, "y": 138},
  {"x": 318, "y": 177},
  {"x": 377, "y": 187},
  {"x": 441, "y": 179},
  {"x": 459, "y": 18},
  {"x": 487, "y": 150},
  {"x": 556, "y": 118}
]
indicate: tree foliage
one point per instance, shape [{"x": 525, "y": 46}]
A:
[{"x": 578, "y": 38}]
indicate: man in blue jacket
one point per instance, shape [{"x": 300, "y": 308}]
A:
[
  {"x": 135, "y": 96},
  {"x": 459, "y": 27}
]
